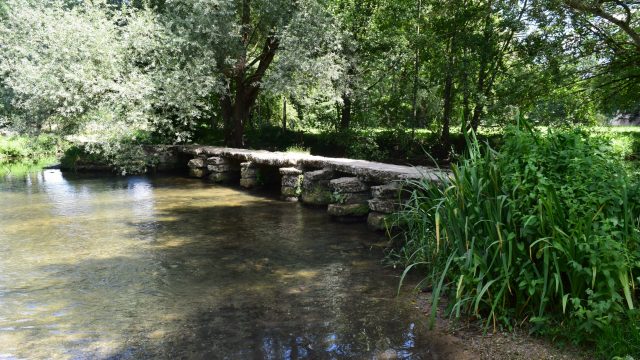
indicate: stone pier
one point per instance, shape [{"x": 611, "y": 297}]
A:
[
  {"x": 220, "y": 170},
  {"x": 248, "y": 175},
  {"x": 291, "y": 187},
  {"x": 349, "y": 195}
]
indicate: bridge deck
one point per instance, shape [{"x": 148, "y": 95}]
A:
[{"x": 369, "y": 170}]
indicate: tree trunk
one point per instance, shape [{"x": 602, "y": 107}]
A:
[
  {"x": 245, "y": 89},
  {"x": 448, "y": 95},
  {"x": 416, "y": 73},
  {"x": 345, "y": 115},
  {"x": 284, "y": 113},
  {"x": 235, "y": 116}
]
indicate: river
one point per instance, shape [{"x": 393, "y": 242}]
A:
[{"x": 107, "y": 267}]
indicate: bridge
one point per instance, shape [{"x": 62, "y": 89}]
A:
[{"x": 351, "y": 189}]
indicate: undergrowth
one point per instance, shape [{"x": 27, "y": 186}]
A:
[
  {"x": 542, "y": 232},
  {"x": 23, "y": 154}
]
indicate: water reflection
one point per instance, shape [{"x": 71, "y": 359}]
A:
[{"x": 96, "y": 267}]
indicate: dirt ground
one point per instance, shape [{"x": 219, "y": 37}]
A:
[{"x": 465, "y": 340}]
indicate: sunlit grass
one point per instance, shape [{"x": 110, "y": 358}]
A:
[
  {"x": 22, "y": 169},
  {"x": 298, "y": 150}
]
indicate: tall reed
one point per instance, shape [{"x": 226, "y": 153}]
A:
[{"x": 543, "y": 231}]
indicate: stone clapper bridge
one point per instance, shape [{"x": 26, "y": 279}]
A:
[{"x": 352, "y": 189}]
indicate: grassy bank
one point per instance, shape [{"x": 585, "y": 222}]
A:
[
  {"x": 23, "y": 154},
  {"x": 542, "y": 233}
]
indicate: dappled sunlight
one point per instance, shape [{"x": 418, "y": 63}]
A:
[{"x": 143, "y": 268}]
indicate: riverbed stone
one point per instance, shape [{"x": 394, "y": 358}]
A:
[
  {"x": 389, "y": 354},
  {"x": 248, "y": 183},
  {"x": 348, "y": 209},
  {"x": 197, "y": 163},
  {"x": 377, "y": 221},
  {"x": 386, "y": 206},
  {"x": 347, "y": 185}
]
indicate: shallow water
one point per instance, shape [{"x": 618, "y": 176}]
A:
[{"x": 168, "y": 267}]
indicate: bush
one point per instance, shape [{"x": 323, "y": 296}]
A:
[{"x": 545, "y": 231}]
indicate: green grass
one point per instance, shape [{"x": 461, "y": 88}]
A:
[
  {"x": 298, "y": 149},
  {"x": 20, "y": 155},
  {"x": 21, "y": 169}
]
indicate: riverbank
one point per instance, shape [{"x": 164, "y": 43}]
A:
[
  {"x": 20, "y": 155},
  {"x": 467, "y": 340}
]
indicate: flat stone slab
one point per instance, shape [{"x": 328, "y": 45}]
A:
[
  {"x": 348, "y": 185},
  {"x": 370, "y": 171},
  {"x": 290, "y": 171}
]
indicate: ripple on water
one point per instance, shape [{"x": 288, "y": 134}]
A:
[{"x": 166, "y": 267}]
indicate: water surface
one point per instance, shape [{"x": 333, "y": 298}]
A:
[{"x": 168, "y": 267}]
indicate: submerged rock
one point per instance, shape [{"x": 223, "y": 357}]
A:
[
  {"x": 389, "y": 354},
  {"x": 220, "y": 177}
]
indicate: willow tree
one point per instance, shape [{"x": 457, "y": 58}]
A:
[{"x": 237, "y": 43}]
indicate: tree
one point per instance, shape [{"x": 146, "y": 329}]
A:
[
  {"x": 59, "y": 64},
  {"x": 238, "y": 42}
]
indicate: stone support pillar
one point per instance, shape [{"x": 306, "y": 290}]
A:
[
  {"x": 386, "y": 199},
  {"x": 220, "y": 169},
  {"x": 315, "y": 187},
  {"x": 349, "y": 198},
  {"x": 248, "y": 175},
  {"x": 197, "y": 167},
  {"x": 291, "y": 183}
]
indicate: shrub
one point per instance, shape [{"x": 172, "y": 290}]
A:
[{"x": 545, "y": 231}]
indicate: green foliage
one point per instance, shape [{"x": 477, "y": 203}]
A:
[
  {"x": 545, "y": 231},
  {"x": 298, "y": 149},
  {"x": 21, "y": 154}
]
